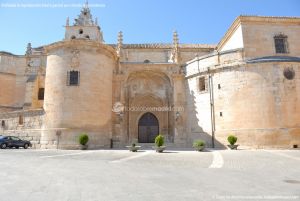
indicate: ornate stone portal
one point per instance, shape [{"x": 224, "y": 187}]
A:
[{"x": 149, "y": 91}]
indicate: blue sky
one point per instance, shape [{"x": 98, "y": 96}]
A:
[{"x": 142, "y": 21}]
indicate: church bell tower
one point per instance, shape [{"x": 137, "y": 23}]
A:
[{"x": 84, "y": 27}]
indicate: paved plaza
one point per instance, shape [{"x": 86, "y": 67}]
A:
[{"x": 119, "y": 175}]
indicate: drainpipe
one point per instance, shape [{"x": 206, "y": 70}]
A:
[
  {"x": 212, "y": 106},
  {"x": 128, "y": 98}
]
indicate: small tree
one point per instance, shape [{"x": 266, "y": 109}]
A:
[
  {"x": 232, "y": 139},
  {"x": 159, "y": 140},
  {"x": 83, "y": 139}
]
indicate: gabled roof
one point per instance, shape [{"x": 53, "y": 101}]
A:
[{"x": 254, "y": 18}]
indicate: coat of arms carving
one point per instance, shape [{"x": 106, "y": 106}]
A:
[{"x": 75, "y": 58}]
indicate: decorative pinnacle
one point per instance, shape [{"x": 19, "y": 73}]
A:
[
  {"x": 86, "y": 5},
  {"x": 29, "y": 49},
  {"x": 85, "y": 17},
  {"x": 175, "y": 38},
  {"x": 120, "y": 42},
  {"x": 120, "y": 37},
  {"x": 67, "y": 21},
  {"x": 96, "y": 21},
  {"x": 175, "y": 56}
]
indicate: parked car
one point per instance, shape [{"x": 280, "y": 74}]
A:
[{"x": 11, "y": 141}]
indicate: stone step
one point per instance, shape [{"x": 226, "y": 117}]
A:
[{"x": 150, "y": 145}]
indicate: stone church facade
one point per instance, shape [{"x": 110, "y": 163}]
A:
[{"x": 247, "y": 85}]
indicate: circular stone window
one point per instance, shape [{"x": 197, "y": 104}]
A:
[{"x": 289, "y": 73}]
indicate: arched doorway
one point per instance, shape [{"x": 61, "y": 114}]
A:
[{"x": 148, "y": 128}]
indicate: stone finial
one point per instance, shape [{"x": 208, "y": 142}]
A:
[
  {"x": 86, "y": 4},
  {"x": 120, "y": 42},
  {"x": 175, "y": 56},
  {"x": 67, "y": 21},
  {"x": 96, "y": 21},
  {"x": 29, "y": 49}
]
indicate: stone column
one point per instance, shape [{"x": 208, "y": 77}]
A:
[
  {"x": 180, "y": 138},
  {"x": 119, "y": 119}
]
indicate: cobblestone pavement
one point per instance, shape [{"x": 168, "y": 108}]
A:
[{"x": 117, "y": 175}]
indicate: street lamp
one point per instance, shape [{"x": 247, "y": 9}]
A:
[{"x": 177, "y": 115}]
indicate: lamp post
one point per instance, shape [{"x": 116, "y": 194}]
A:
[{"x": 177, "y": 115}]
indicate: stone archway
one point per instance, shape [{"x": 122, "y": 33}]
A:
[
  {"x": 149, "y": 91},
  {"x": 148, "y": 128}
]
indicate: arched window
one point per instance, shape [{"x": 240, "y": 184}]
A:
[
  {"x": 41, "y": 93},
  {"x": 147, "y": 61},
  {"x": 2, "y": 123},
  {"x": 73, "y": 37},
  {"x": 87, "y": 36},
  {"x": 281, "y": 45},
  {"x": 73, "y": 78},
  {"x": 80, "y": 31}
]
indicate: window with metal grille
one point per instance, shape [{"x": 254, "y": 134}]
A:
[
  {"x": 41, "y": 93},
  {"x": 281, "y": 45},
  {"x": 201, "y": 84},
  {"x": 73, "y": 78}
]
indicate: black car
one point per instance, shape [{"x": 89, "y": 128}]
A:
[{"x": 11, "y": 141}]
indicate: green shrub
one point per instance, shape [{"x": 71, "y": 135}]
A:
[
  {"x": 198, "y": 143},
  {"x": 232, "y": 139},
  {"x": 83, "y": 139},
  {"x": 159, "y": 140}
]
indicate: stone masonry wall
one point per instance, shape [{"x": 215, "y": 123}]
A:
[
  {"x": 256, "y": 102},
  {"x": 29, "y": 129}
]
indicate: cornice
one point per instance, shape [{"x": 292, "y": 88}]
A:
[
  {"x": 164, "y": 46},
  {"x": 81, "y": 43}
]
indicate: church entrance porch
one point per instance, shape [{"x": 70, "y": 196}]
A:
[
  {"x": 147, "y": 97},
  {"x": 148, "y": 128}
]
